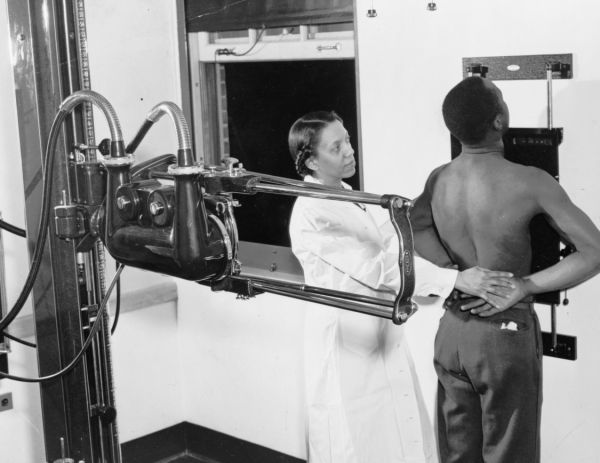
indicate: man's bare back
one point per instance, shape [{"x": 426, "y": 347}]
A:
[
  {"x": 482, "y": 205},
  {"x": 477, "y": 209}
]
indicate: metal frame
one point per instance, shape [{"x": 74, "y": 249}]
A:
[{"x": 47, "y": 49}]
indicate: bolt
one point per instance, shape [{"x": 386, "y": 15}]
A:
[
  {"x": 156, "y": 208},
  {"x": 122, "y": 202}
]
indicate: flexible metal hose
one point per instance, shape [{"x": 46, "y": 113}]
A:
[
  {"x": 96, "y": 99},
  {"x": 65, "y": 108},
  {"x": 176, "y": 114}
]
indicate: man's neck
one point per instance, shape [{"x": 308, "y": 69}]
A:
[{"x": 495, "y": 148}]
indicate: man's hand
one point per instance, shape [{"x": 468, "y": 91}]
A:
[
  {"x": 496, "y": 304},
  {"x": 491, "y": 287}
]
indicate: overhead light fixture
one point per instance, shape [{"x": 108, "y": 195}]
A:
[{"x": 431, "y": 6}]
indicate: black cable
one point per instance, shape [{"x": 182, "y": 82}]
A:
[
  {"x": 262, "y": 31},
  {"x": 44, "y": 219},
  {"x": 11, "y": 228},
  {"x": 139, "y": 136},
  {"x": 118, "y": 304},
  {"x": 93, "y": 332},
  {"x": 19, "y": 340}
]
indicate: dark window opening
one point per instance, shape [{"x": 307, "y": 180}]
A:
[{"x": 263, "y": 101}]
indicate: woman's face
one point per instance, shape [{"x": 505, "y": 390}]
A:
[{"x": 334, "y": 158}]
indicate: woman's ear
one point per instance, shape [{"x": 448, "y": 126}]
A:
[{"x": 311, "y": 163}]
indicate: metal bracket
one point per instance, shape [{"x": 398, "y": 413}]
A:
[
  {"x": 559, "y": 346},
  {"x": 522, "y": 67},
  {"x": 399, "y": 208}
]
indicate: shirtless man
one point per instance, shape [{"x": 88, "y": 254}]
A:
[{"x": 475, "y": 211}]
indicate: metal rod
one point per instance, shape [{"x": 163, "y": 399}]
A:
[
  {"x": 553, "y": 326},
  {"x": 340, "y": 299},
  {"x": 269, "y": 184},
  {"x": 549, "y": 89},
  {"x": 321, "y": 299},
  {"x": 340, "y": 196},
  {"x": 321, "y": 291},
  {"x": 97, "y": 378}
]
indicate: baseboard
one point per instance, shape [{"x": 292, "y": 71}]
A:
[{"x": 203, "y": 443}]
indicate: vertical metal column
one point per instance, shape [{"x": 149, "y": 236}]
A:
[
  {"x": 4, "y": 341},
  {"x": 103, "y": 408},
  {"x": 47, "y": 68}
]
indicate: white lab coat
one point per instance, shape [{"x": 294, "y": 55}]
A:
[{"x": 363, "y": 401}]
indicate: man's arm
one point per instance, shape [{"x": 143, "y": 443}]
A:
[
  {"x": 576, "y": 228},
  {"x": 426, "y": 239}
]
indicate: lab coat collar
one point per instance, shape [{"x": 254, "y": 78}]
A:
[{"x": 310, "y": 179}]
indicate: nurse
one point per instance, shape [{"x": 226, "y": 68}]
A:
[{"x": 363, "y": 401}]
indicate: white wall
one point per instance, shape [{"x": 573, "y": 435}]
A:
[
  {"x": 134, "y": 64},
  {"x": 409, "y": 59},
  {"x": 243, "y": 370}
]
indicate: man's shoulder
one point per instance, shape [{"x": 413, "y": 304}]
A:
[
  {"x": 533, "y": 176},
  {"x": 435, "y": 173},
  {"x": 440, "y": 168}
]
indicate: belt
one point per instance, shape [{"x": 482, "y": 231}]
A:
[{"x": 457, "y": 295}]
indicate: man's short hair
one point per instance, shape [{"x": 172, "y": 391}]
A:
[{"x": 469, "y": 110}]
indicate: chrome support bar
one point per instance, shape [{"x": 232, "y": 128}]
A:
[
  {"x": 363, "y": 304},
  {"x": 286, "y": 186},
  {"x": 236, "y": 180},
  {"x": 335, "y": 195}
]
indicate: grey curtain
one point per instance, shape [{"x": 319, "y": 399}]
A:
[{"x": 222, "y": 15}]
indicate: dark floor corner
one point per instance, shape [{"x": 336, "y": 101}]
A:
[
  {"x": 185, "y": 458},
  {"x": 190, "y": 443}
]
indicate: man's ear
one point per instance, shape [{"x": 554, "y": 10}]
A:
[
  {"x": 499, "y": 123},
  {"x": 311, "y": 163}
]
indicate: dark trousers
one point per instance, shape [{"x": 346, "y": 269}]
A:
[{"x": 490, "y": 385}]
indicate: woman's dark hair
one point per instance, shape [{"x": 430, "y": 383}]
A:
[
  {"x": 469, "y": 110},
  {"x": 305, "y": 135}
]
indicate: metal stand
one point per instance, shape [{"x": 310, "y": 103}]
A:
[{"x": 51, "y": 63}]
